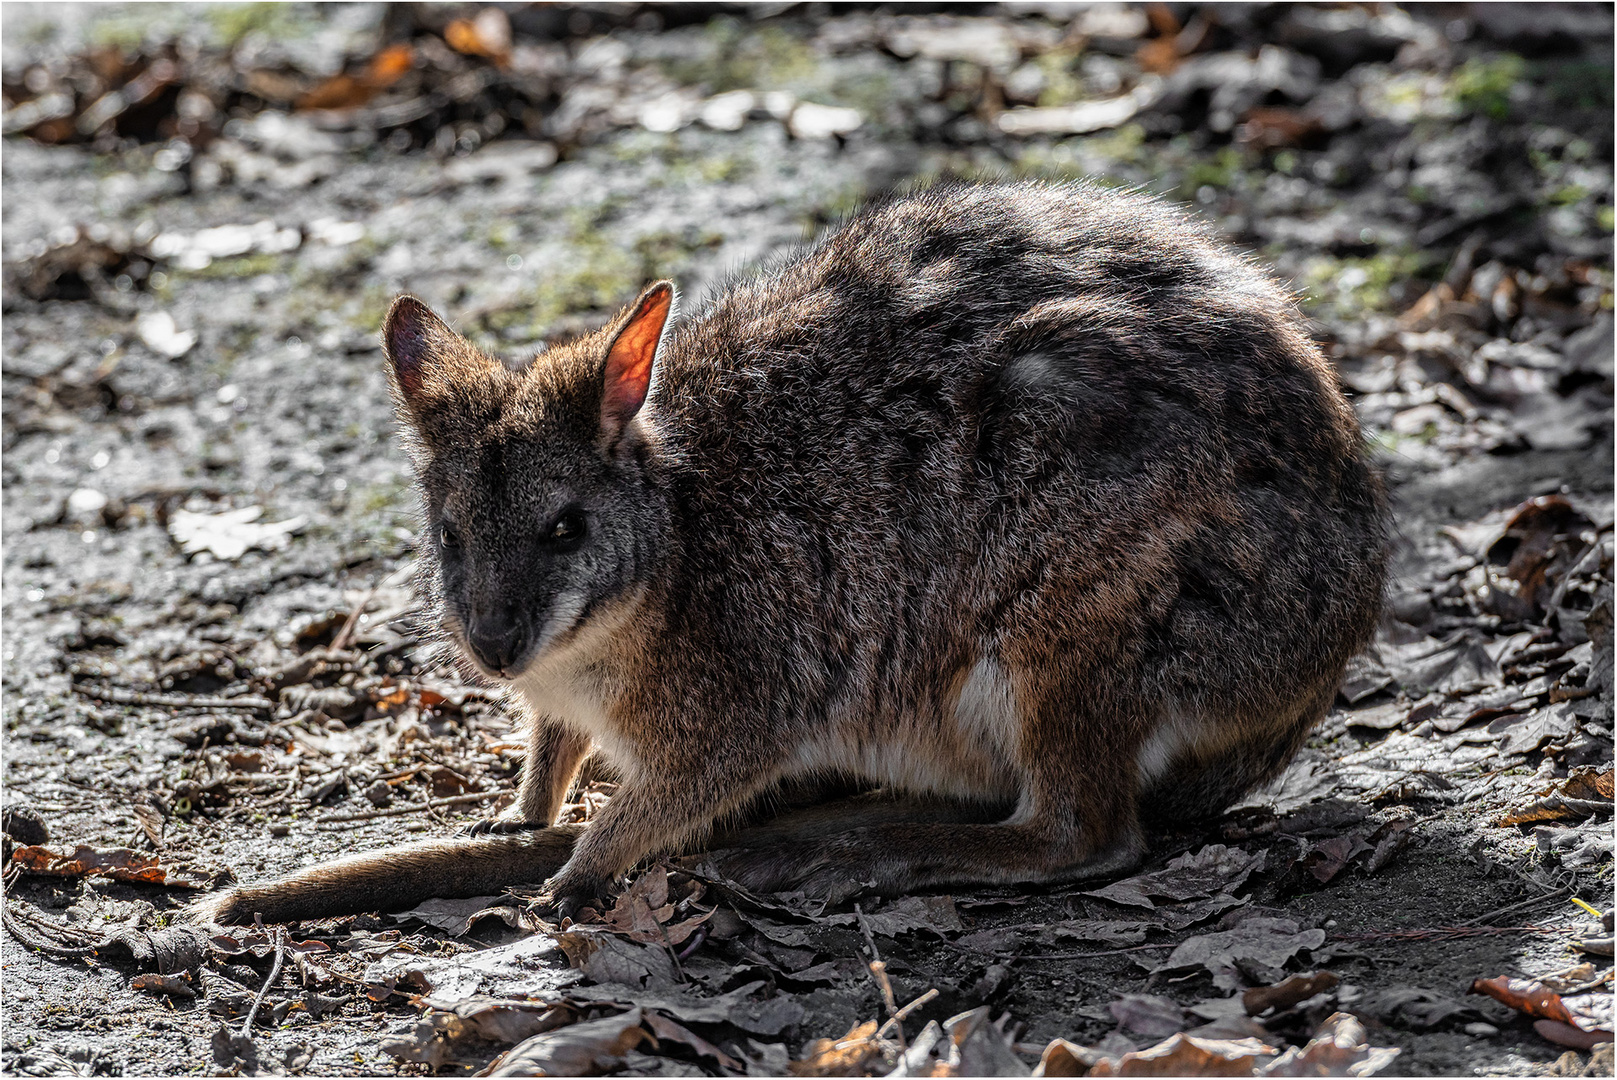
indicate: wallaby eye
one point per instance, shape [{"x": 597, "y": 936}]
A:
[
  {"x": 448, "y": 538},
  {"x": 569, "y": 528}
]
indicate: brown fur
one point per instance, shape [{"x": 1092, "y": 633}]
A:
[{"x": 1020, "y": 496}]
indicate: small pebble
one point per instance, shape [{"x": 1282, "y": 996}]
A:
[
  {"x": 280, "y": 830},
  {"x": 1481, "y": 1030}
]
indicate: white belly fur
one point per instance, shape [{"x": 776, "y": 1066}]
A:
[
  {"x": 1177, "y": 733},
  {"x": 969, "y": 752}
]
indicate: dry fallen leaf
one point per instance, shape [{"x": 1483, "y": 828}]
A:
[
  {"x": 1286, "y": 993},
  {"x": 230, "y": 534},
  {"x": 351, "y": 91},
  {"x": 1580, "y": 1021},
  {"x": 605, "y": 957},
  {"x": 667, "y": 1030},
  {"x": 935, "y": 914},
  {"x": 1340, "y": 1048},
  {"x": 1586, "y": 791},
  {"x": 584, "y": 1049},
  {"x": 1213, "y": 870},
  {"x": 739, "y": 1008},
  {"x": 119, "y": 864},
  {"x": 176, "y": 986},
  {"x": 850, "y": 1055},
  {"x": 1262, "y": 941},
  {"x": 1149, "y": 1014},
  {"x": 1186, "y": 1055},
  {"x": 487, "y": 34}
]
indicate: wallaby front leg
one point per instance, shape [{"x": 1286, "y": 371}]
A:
[
  {"x": 667, "y": 812},
  {"x": 554, "y": 754}
]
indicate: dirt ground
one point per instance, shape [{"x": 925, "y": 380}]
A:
[{"x": 211, "y": 654}]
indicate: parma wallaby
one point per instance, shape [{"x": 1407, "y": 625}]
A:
[{"x": 1034, "y": 503}]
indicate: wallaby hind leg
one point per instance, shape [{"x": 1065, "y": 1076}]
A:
[
  {"x": 817, "y": 821},
  {"x": 1206, "y": 779},
  {"x": 1076, "y": 818}
]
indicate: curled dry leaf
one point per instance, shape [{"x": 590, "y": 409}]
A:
[
  {"x": 668, "y": 1030},
  {"x": 1339, "y": 1048},
  {"x": 1186, "y": 1055},
  {"x": 1587, "y": 791},
  {"x": 1589, "y": 1016},
  {"x": 229, "y": 535},
  {"x": 487, "y": 34},
  {"x": 346, "y": 91},
  {"x": 642, "y": 912},
  {"x": 1214, "y": 870},
  {"x": 1543, "y": 539},
  {"x": 1286, "y": 993},
  {"x": 119, "y": 864},
  {"x": 850, "y": 1055},
  {"x": 586, "y": 1049},
  {"x": 974, "y": 1044},
  {"x": 176, "y": 986},
  {"x": 1263, "y": 941}
]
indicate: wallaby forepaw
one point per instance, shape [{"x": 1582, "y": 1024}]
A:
[
  {"x": 503, "y": 826},
  {"x": 570, "y": 898}
]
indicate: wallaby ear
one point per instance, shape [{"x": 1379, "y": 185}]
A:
[
  {"x": 416, "y": 340},
  {"x": 629, "y": 360}
]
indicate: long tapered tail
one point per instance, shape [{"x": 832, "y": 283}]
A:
[
  {"x": 394, "y": 879},
  {"x": 397, "y": 878}
]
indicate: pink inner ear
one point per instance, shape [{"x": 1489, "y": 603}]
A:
[
  {"x": 629, "y": 362},
  {"x": 406, "y": 339}
]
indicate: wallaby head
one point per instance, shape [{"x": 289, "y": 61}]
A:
[{"x": 538, "y": 511}]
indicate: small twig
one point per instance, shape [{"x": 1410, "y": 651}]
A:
[
  {"x": 415, "y": 808},
  {"x": 878, "y": 971},
  {"x": 173, "y": 701},
  {"x": 31, "y": 938},
  {"x": 900, "y": 1015},
  {"x": 275, "y": 973},
  {"x": 346, "y": 634},
  {"x": 864, "y": 928},
  {"x": 878, "y": 968},
  {"x": 1082, "y": 955},
  {"x": 1446, "y": 933},
  {"x": 667, "y": 944},
  {"x": 1508, "y": 908},
  {"x": 51, "y": 929}
]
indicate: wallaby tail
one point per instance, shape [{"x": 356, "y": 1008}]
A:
[{"x": 394, "y": 879}]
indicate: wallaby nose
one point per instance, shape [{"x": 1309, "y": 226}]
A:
[{"x": 497, "y": 641}]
